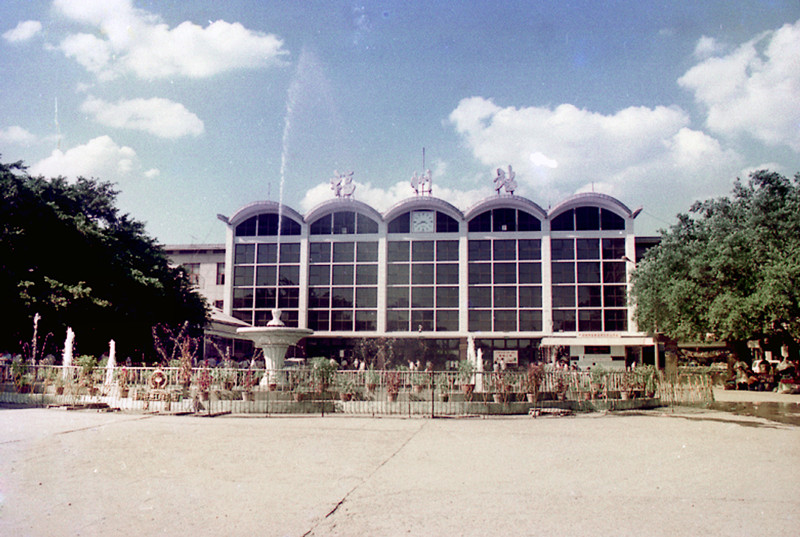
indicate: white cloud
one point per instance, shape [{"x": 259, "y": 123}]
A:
[
  {"x": 753, "y": 90},
  {"x": 16, "y": 135},
  {"x": 708, "y": 46},
  {"x": 160, "y": 117},
  {"x": 100, "y": 158},
  {"x": 24, "y": 31},
  {"x": 137, "y": 42},
  {"x": 383, "y": 199},
  {"x": 649, "y": 155}
]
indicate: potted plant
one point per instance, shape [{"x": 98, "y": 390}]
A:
[
  {"x": 122, "y": 380},
  {"x": 204, "y": 381},
  {"x": 393, "y": 382},
  {"x": 346, "y": 386},
  {"x": 561, "y": 387},
  {"x": 322, "y": 371},
  {"x": 443, "y": 386},
  {"x": 247, "y": 385},
  {"x": 599, "y": 381},
  {"x": 532, "y": 380},
  {"x": 418, "y": 381},
  {"x": 466, "y": 376},
  {"x": 500, "y": 386},
  {"x": 88, "y": 366},
  {"x": 372, "y": 378}
]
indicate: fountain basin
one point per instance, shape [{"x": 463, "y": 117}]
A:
[{"x": 274, "y": 339}]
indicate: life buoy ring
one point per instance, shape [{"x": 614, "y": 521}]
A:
[{"x": 158, "y": 380}]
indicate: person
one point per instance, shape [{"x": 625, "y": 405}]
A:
[{"x": 743, "y": 377}]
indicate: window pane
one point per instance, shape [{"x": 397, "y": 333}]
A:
[
  {"x": 445, "y": 224},
  {"x": 563, "y": 297},
  {"x": 397, "y": 297},
  {"x": 422, "y": 320},
  {"x": 319, "y": 321},
  {"x": 563, "y": 272},
  {"x": 321, "y": 226},
  {"x": 267, "y": 225},
  {"x": 480, "y": 297},
  {"x": 447, "y": 274},
  {"x": 267, "y": 253},
  {"x": 588, "y": 248},
  {"x": 366, "y": 297},
  {"x": 342, "y": 297},
  {"x": 613, "y": 249},
  {"x": 480, "y": 250},
  {"x": 343, "y": 252},
  {"x": 562, "y": 249},
  {"x": 343, "y": 274},
  {"x": 614, "y": 272},
  {"x": 398, "y": 251},
  {"x": 290, "y": 253},
  {"x": 397, "y": 321},
  {"x": 505, "y": 297},
  {"x": 590, "y": 321},
  {"x": 367, "y": 275},
  {"x": 397, "y": 274},
  {"x": 341, "y": 320},
  {"x": 482, "y": 222},
  {"x": 319, "y": 275},
  {"x": 505, "y": 320},
  {"x": 244, "y": 253},
  {"x": 401, "y": 224},
  {"x": 480, "y": 320},
  {"x": 366, "y": 320},
  {"x": 447, "y": 297},
  {"x": 422, "y": 251},
  {"x": 616, "y": 320},
  {"x": 530, "y": 297},
  {"x": 319, "y": 297},
  {"x": 563, "y": 222},
  {"x": 243, "y": 275},
  {"x": 266, "y": 275},
  {"x": 504, "y": 220},
  {"x": 589, "y": 296},
  {"x": 289, "y": 275},
  {"x": 447, "y": 250},
  {"x": 530, "y": 273},
  {"x": 288, "y": 297},
  {"x": 587, "y": 218},
  {"x": 447, "y": 321},
  {"x": 367, "y": 252},
  {"x": 505, "y": 250},
  {"x": 319, "y": 252},
  {"x": 588, "y": 272},
  {"x": 564, "y": 320},
  {"x": 243, "y": 298},
  {"x": 505, "y": 273},
  {"x": 421, "y": 274},
  {"x": 612, "y": 221},
  {"x": 422, "y": 297},
  {"x": 247, "y": 228},
  {"x": 615, "y": 296},
  {"x": 480, "y": 273},
  {"x": 528, "y": 222},
  {"x": 530, "y": 320},
  {"x": 366, "y": 224},
  {"x": 344, "y": 223},
  {"x": 265, "y": 297},
  {"x": 530, "y": 249}
]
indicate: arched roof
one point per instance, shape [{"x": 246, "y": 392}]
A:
[
  {"x": 593, "y": 199},
  {"x": 342, "y": 204},
  {"x": 417, "y": 203},
  {"x": 262, "y": 207},
  {"x": 505, "y": 202}
]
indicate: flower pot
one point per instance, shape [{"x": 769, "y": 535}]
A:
[
  {"x": 497, "y": 398},
  {"x": 273, "y": 386},
  {"x": 123, "y": 392},
  {"x": 531, "y": 397},
  {"x": 391, "y": 396},
  {"x": 59, "y": 390},
  {"x": 346, "y": 396},
  {"x": 624, "y": 395},
  {"x": 417, "y": 388}
]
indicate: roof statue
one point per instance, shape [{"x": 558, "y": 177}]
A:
[
  {"x": 422, "y": 183},
  {"x": 342, "y": 184},
  {"x": 506, "y": 181}
]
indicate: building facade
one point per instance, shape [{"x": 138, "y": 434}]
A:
[{"x": 526, "y": 283}]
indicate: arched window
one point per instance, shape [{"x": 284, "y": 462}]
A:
[
  {"x": 343, "y": 223},
  {"x": 266, "y": 225},
  {"x": 505, "y": 219},
  {"x": 587, "y": 219}
]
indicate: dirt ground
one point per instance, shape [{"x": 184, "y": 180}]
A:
[{"x": 671, "y": 472}]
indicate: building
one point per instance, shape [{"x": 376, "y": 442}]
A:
[{"x": 526, "y": 283}]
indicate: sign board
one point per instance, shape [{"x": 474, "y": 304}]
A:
[{"x": 506, "y": 357}]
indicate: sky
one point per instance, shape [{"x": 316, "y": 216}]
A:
[{"x": 194, "y": 109}]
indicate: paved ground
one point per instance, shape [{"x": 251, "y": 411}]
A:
[{"x": 688, "y": 472}]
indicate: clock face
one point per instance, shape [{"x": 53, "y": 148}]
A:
[{"x": 422, "y": 221}]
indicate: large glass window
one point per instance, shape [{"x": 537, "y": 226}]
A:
[{"x": 343, "y": 223}]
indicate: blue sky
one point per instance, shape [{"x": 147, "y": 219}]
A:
[{"x": 197, "y": 108}]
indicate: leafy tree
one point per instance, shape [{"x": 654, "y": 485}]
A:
[
  {"x": 731, "y": 268},
  {"x": 68, "y": 254}
]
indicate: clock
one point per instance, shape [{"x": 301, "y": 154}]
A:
[{"x": 423, "y": 221}]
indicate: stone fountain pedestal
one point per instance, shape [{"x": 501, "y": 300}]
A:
[{"x": 274, "y": 339}]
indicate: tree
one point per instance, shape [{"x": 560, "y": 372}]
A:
[
  {"x": 68, "y": 254},
  {"x": 730, "y": 268}
]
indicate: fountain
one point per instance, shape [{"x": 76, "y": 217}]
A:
[
  {"x": 273, "y": 340},
  {"x": 67, "y": 358},
  {"x": 112, "y": 362}
]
